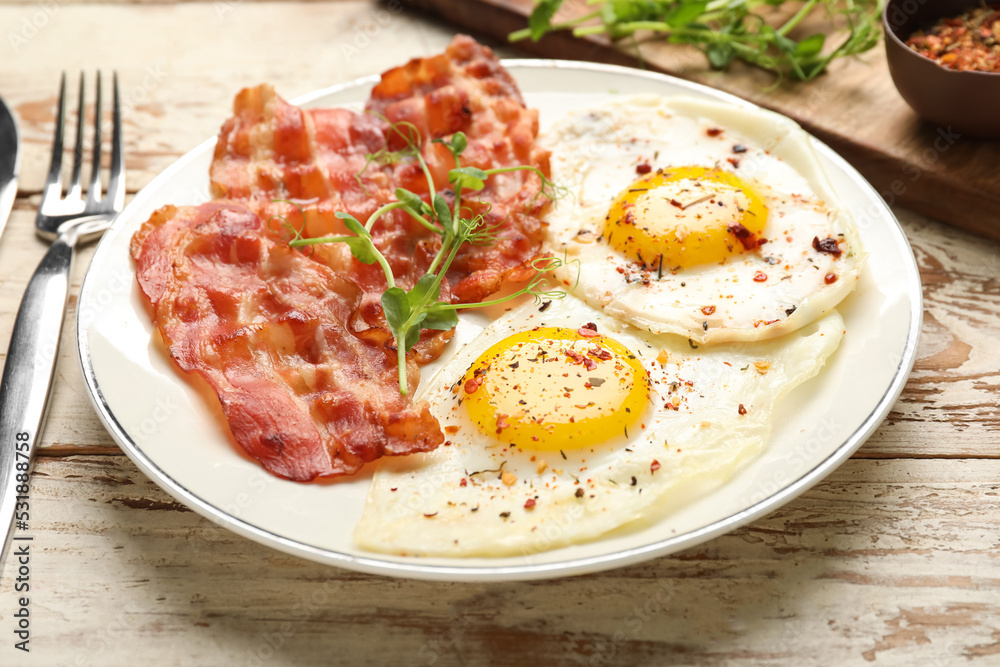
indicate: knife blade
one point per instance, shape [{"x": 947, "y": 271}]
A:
[{"x": 10, "y": 160}]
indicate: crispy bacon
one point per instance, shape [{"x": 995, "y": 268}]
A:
[
  {"x": 269, "y": 330},
  {"x": 271, "y": 150},
  {"x": 295, "y": 343},
  {"x": 466, "y": 88}
]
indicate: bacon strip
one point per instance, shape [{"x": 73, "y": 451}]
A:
[
  {"x": 295, "y": 344},
  {"x": 268, "y": 329},
  {"x": 271, "y": 150},
  {"x": 467, "y": 89}
]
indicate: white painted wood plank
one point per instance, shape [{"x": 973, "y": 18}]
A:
[{"x": 887, "y": 561}]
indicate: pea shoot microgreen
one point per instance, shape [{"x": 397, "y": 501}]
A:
[
  {"x": 408, "y": 312},
  {"x": 724, "y": 30}
]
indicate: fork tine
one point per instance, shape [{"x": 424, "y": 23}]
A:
[
  {"x": 116, "y": 182},
  {"x": 53, "y": 186},
  {"x": 74, "y": 183},
  {"x": 94, "y": 191}
]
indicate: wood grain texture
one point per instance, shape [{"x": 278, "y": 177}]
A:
[
  {"x": 891, "y": 560},
  {"x": 855, "y": 108},
  {"x": 886, "y": 562}
]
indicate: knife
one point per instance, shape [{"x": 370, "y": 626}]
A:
[{"x": 10, "y": 156}]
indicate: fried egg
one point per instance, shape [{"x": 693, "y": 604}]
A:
[
  {"x": 697, "y": 218},
  {"x": 563, "y": 424}
]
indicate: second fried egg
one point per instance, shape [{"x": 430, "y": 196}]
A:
[
  {"x": 700, "y": 219},
  {"x": 564, "y": 424}
]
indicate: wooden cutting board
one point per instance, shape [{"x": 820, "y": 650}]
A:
[{"x": 854, "y": 108}]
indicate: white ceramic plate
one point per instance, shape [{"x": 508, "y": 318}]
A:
[{"x": 170, "y": 432}]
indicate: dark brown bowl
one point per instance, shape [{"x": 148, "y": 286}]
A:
[{"x": 968, "y": 102}]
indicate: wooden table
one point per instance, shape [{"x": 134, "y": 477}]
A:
[{"x": 891, "y": 560}]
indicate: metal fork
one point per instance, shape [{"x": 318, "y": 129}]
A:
[{"x": 31, "y": 357}]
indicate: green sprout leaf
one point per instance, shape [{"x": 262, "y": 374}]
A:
[
  {"x": 361, "y": 243},
  {"x": 727, "y": 30},
  {"x": 468, "y": 177},
  {"x": 442, "y": 320},
  {"x": 407, "y": 313},
  {"x": 413, "y": 202},
  {"x": 443, "y": 213},
  {"x": 540, "y": 20}
]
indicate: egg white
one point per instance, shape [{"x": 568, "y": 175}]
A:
[
  {"x": 595, "y": 154},
  {"x": 419, "y": 505}
]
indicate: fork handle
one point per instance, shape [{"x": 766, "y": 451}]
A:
[{"x": 27, "y": 378}]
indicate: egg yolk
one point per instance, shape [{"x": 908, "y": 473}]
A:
[
  {"x": 685, "y": 216},
  {"x": 554, "y": 388}
]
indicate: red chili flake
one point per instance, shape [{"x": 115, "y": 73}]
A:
[
  {"x": 760, "y": 277},
  {"x": 674, "y": 202},
  {"x": 502, "y": 423},
  {"x": 473, "y": 384},
  {"x": 529, "y": 503},
  {"x": 430, "y": 516},
  {"x": 745, "y": 236},
  {"x": 464, "y": 482},
  {"x": 708, "y": 310},
  {"x": 587, "y": 332},
  {"x": 643, "y": 169},
  {"x": 713, "y": 131},
  {"x": 579, "y": 493},
  {"x": 735, "y": 161},
  {"x": 599, "y": 353},
  {"x": 830, "y": 278},
  {"x": 742, "y": 410},
  {"x": 829, "y": 246},
  {"x": 967, "y": 42},
  {"x": 620, "y": 269},
  {"x": 654, "y": 466}
]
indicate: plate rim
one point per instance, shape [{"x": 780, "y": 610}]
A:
[{"x": 529, "y": 571}]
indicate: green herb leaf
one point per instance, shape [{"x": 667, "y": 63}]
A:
[
  {"x": 361, "y": 243},
  {"x": 409, "y": 312},
  {"x": 396, "y": 307},
  {"x": 458, "y": 143},
  {"x": 443, "y": 213},
  {"x": 719, "y": 54},
  {"x": 810, "y": 46},
  {"x": 404, "y": 326},
  {"x": 413, "y": 201},
  {"x": 729, "y": 29},
  {"x": 442, "y": 320},
  {"x": 426, "y": 289},
  {"x": 539, "y": 22},
  {"x": 684, "y": 13},
  {"x": 468, "y": 177}
]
